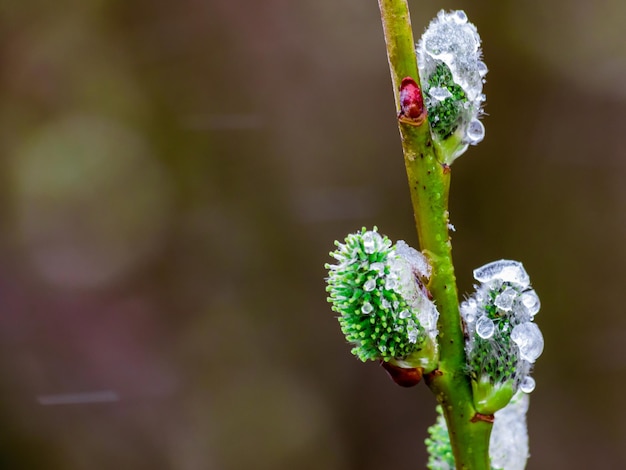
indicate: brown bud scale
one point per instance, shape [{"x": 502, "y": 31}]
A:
[{"x": 401, "y": 376}]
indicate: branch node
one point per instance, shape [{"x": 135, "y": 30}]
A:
[{"x": 484, "y": 418}]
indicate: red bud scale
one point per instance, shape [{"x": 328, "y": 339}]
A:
[{"x": 411, "y": 101}]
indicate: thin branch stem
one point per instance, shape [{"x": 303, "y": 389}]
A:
[{"x": 429, "y": 182}]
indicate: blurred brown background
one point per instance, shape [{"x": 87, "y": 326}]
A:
[{"x": 173, "y": 177}]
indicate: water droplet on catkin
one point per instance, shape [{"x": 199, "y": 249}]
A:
[
  {"x": 367, "y": 308},
  {"x": 485, "y": 327},
  {"x": 369, "y": 285},
  {"x": 475, "y": 132},
  {"x": 529, "y": 340},
  {"x": 528, "y": 384}
]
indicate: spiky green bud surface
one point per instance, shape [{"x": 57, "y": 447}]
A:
[
  {"x": 502, "y": 340},
  {"x": 384, "y": 310}
]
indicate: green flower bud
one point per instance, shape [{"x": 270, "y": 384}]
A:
[
  {"x": 502, "y": 340},
  {"x": 452, "y": 72},
  {"x": 384, "y": 310}
]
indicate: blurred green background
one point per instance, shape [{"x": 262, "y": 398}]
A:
[{"x": 174, "y": 175}]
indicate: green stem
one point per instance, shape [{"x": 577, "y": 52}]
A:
[{"x": 429, "y": 183}]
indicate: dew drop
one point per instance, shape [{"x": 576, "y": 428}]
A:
[
  {"x": 529, "y": 340},
  {"x": 482, "y": 68},
  {"x": 369, "y": 285},
  {"x": 530, "y": 300},
  {"x": 528, "y": 384},
  {"x": 504, "y": 300},
  {"x": 460, "y": 17},
  {"x": 439, "y": 93},
  {"x": 371, "y": 241},
  {"x": 378, "y": 267},
  {"x": 367, "y": 308},
  {"x": 475, "y": 132},
  {"x": 485, "y": 327},
  {"x": 503, "y": 270},
  {"x": 468, "y": 310},
  {"x": 404, "y": 314}
]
